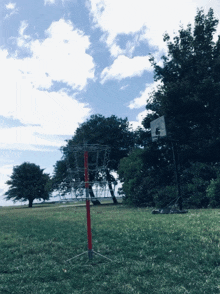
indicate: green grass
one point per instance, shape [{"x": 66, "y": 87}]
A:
[{"x": 150, "y": 253}]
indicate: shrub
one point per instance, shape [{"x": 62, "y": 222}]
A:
[
  {"x": 195, "y": 181},
  {"x": 213, "y": 193},
  {"x": 136, "y": 184},
  {"x": 165, "y": 196}
]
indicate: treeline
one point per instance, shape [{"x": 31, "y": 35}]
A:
[{"x": 188, "y": 96}]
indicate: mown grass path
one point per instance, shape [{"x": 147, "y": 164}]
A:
[{"x": 150, "y": 253}]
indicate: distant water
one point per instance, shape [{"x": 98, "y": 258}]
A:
[{"x": 68, "y": 197}]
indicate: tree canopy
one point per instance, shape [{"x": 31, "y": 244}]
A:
[
  {"x": 27, "y": 183},
  {"x": 189, "y": 91},
  {"x": 188, "y": 96},
  {"x": 111, "y": 131}
]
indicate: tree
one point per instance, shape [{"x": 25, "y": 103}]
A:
[
  {"x": 27, "y": 183},
  {"x": 145, "y": 175},
  {"x": 197, "y": 178},
  {"x": 111, "y": 131},
  {"x": 60, "y": 180},
  {"x": 189, "y": 91},
  {"x": 134, "y": 178},
  {"x": 188, "y": 96},
  {"x": 213, "y": 193}
]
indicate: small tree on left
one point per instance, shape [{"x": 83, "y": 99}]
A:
[{"x": 27, "y": 183}]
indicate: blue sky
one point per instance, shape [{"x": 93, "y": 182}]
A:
[{"x": 63, "y": 60}]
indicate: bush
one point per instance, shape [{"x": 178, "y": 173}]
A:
[
  {"x": 165, "y": 196},
  {"x": 149, "y": 180},
  {"x": 213, "y": 193},
  {"x": 195, "y": 181},
  {"x": 136, "y": 184}
]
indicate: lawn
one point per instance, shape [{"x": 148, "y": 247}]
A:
[{"x": 149, "y": 253}]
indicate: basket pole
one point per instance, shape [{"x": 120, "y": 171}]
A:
[
  {"x": 86, "y": 149},
  {"x": 89, "y": 231}
]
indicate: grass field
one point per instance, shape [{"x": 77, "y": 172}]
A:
[{"x": 149, "y": 253}]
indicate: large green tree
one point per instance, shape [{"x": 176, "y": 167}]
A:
[
  {"x": 27, "y": 183},
  {"x": 188, "y": 96},
  {"x": 189, "y": 91},
  {"x": 111, "y": 131}
]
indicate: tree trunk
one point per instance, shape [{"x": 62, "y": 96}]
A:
[
  {"x": 110, "y": 187},
  {"x": 30, "y": 202},
  {"x": 93, "y": 199}
]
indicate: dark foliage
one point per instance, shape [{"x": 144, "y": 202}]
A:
[
  {"x": 189, "y": 94},
  {"x": 189, "y": 97},
  {"x": 111, "y": 131},
  {"x": 27, "y": 183}
]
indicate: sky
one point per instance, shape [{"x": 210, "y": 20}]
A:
[{"x": 63, "y": 60}]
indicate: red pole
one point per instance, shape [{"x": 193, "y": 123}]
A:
[
  {"x": 86, "y": 155},
  {"x": 89, "y": 232}
]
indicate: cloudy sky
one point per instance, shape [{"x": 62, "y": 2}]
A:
[{"x": 63, "y": 60}]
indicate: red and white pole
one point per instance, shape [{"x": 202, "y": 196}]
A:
[{"x": 89, "y": 231}]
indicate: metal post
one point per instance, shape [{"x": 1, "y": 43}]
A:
[
  {"x": 89, "y": 232},
  {"x": 175, "y": 158}
]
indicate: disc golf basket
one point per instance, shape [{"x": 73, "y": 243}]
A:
[{"x": 86, "y": 165}]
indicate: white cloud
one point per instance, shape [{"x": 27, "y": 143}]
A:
[
  {"x": 23, "y": 136},
  {"x": 124, "y": 67},
  {"x": 141, "y": 102},
  {"x": 128, "y": 16},
  {"x": 6, "y": 169},
  {"x": 10, "y": 6},
  {"x": 139, "y": 119},
  {"x": 22, "y": 27},
  {"x": 144, "y": 96},
  {"x": 22, "y": 40},
  {"x": 25, "y": 84},
  {"x": 5, "y": 173},
  {"x": 60, "y": 57},
  {"x": 72, "y": 1},
  {"x": 141, "y": 21},
  {"x": 50, "y": 2},
  {"x": 124, "y": 87},
  {"x": 43, "y": 112},
  {"x": 149, "y": 19},
  {"x": 55, "y": 112}
]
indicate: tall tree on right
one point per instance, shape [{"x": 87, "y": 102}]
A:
[{"x": 189, "y": 91}]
